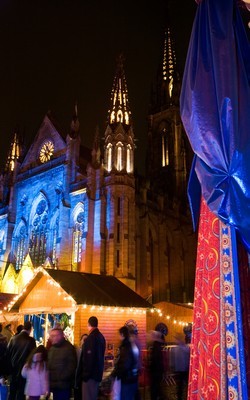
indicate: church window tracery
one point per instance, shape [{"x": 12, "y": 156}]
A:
[
  {"x": 39, "y": 233},
  {"x": 78, "y": 230},
  {"x": 20, "y": 253},
  {"x": 55, "y": 237}
]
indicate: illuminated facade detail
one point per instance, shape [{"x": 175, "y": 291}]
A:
[
  {"x": 169, "y": 62},
  {"x": 87, "y": 211},
  {"x": 20, "y": 245},
  {"x": 119, "y": 156},
  {"x": 39, "y": 233},
  {"x": 119, "y": 110},
  {"x": 55, "y": 235},
  {"x": 129, "y": 159},
  {"x": 165, "y": 149},
  {"x": 109, "y": 157},
  {"x": 78, "y": 229},
  {"x": 14, "y": 153},
  {"x": 46, "y": 151}
]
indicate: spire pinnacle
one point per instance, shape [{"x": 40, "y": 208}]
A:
[
  {"x": 75, "y": 124},
  {"x": 169, "y": 61},
  {"x": 96, "y": 152},
  {"x": 119, "y": 108},
  {"x": 14, "y": 152}
]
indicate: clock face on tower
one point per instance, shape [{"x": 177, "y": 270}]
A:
[{"x": 46, "y": 151}]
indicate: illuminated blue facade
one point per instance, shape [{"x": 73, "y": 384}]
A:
[{"x": 66, "y": 206}]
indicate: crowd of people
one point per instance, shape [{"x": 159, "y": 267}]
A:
[{"x": 65, "y": 371}]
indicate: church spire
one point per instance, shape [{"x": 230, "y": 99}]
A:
[
  {"x": 169, "y": 61},
  {"x": 119, "y": 137},
  {"x": 119, "y": 109},
  {"x": 14, "y": 152},
  {"x": 165, "y": 91}
]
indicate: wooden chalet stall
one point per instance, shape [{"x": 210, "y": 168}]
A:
[
  {"x": 70, "y": 298},
  {"x": 5, "y": 316}
]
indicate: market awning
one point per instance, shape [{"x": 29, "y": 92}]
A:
[{"x": 53, "y": 289}]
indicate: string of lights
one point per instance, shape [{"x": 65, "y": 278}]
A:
[{"x": 108, "y": 309}]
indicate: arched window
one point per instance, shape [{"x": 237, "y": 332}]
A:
[
  {"x": 109, "y": 157},
  {"x": 20, "y": 252},
  {"x": 129, "y": 159},
  {"x": 39, "y": 232},
  {"x": 119, "y": 156},
  {"x": 54, "y": 240},
  {"x": 165, "y": 148},
  {"x": 78, "y": 229}
]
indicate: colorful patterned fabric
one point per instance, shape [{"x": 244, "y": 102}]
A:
[{"x": 217, "y": 369}]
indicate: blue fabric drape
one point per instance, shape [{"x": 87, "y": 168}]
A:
[{"x": 215, "y": 101}]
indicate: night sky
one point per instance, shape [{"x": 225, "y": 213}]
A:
[{"x": 56, "y": 52}]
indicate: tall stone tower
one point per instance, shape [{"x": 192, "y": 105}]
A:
[
  {"x": 165, "y": 238},
  {"x": 169, "y": 154},
  {"x": 119, "y": 182}
]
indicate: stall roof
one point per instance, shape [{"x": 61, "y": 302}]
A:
[
  {"x": 87, "y": 288},
  {"x": 5, "y": 298}
]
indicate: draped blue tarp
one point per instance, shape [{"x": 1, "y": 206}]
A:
[{"x": 215, "y": 110}]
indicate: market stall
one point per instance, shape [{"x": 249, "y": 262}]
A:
[{"x": 69, "y": 298}]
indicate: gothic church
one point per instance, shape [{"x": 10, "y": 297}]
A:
[{"x": 65, "y": 206}]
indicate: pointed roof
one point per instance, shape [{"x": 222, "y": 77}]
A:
[
  {"x": 169, "y": 60},
  {"x": 165, "y": 89},
  {"x": 86, "y": 288},
  {"x": 119, "y": 111},
  {"x": 14, "y": 152}
]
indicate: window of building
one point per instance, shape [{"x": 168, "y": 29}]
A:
[
  {"x": 39, "y": 233},
  {"x": 77, "y": 239},
  {"x": 20, "y": 253}
]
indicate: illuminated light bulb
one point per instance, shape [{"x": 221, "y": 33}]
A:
[{"x": 168, "y": 316}]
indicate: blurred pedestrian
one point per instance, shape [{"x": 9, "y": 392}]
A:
[
  {"x": 136, "y": 346},
  {"x": 19, "y": 329},
  {"x": 78, "y": 382},
  {"x": 156, "y": 364},
  {"x": 3, "y": 354},
  {"x": 62, "y": 361},
  {"x": 182, "y": 358},
  {"x": 91, "y": 364},
  {"x": 36, "y": 374},
  {"x": 18, "y": 350},
  {"x": 7, "y": 332},
  {"x": 126, "y": 366}
]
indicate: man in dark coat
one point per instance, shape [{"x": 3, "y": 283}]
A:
[
  {"x": 91, "y": 364},
  {"x": 62, "y": 361},
  {"x": 19, "y": 348}
]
